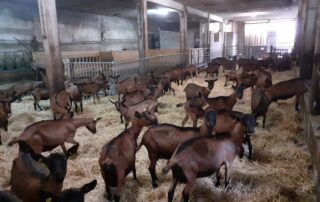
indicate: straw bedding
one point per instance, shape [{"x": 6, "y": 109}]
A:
[{"x": 279, "y": 172}]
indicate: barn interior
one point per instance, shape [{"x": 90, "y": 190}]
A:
[{"x": 81, "y": 38}]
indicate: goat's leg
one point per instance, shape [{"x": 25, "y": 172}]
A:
[
  {"x": 172, "y": 189},
  {"x": 126, "y": 125},
  {"x": 218, "y": 178},
  {"x": 0, "y": 139},
  {"x": 81, "y": 105},
  {"x": 226, "y": 175},
  {"x": 264, "y": 121},
  {"x": 35, "y": 105},
  {"x": 72, "y": 141},
  {"x": 121, "y": 118},
  {"x": 108, "y": 190},
  {"x": 174, "y": 93},
  {"x": 98, "y": 98},
  {"x": 63, "y": 146},
  {"x": 75, "y": 106},
  {"x": 120, "y": 183},
  {"x": 248, "y": 140},
  {"x": 187, "y": 188},
  {"x": 152, "y": 168},
  {"x": 39, "y": 106},
  {"x": 134, "y": 172},
  {"x": 195, "y": 121},
  {"x": 185, "y": 120},
  {"x": 94, "y": 98},
  {"x": 297, "y": 102}
]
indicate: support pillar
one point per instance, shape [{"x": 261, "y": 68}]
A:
[
  {"x": 201, "y": 34},
  {"x": 308, "y": 37},
  {"x": 50, "y": 36},
  {"x": 142, "y": 30},
  {"x": 206, "y": 40},
  {"x": 183, "y": 30}
]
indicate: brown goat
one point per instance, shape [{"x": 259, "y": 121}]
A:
[
  {"x": 46, "y": 135},
  {"x": 3, "y": 121},
  {"x": 61, "y": 105},
  {"x": 71, "y": 194},
  {"x": 128, "y": 112},
  {"x": 192, "y": 89},
  {"x": 23, "y": 88},
  {"x": 203, "y": 156},
  {"x": 163, "y": 139},
  {"x": 117, "y": 158},
  {"x": 260, "y": 99},
  {"x": 231, "y": 76},
  {"x": 211, "y": 69},
  {"x": 75, "y": 96},
  {"x": 29, "y": 177},
  {"x": 39, "y": 94}
]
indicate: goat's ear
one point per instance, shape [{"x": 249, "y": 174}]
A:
[
  {"x": 89, "y": 187},
  {"x": 73, "y": 150},
  {"x": 234, "y": 87},
  {"x": 137, "y": 115},
  {"x": 112, "y": 101},
  {"x": 206, "y": 81},
  {"x": 98, "y": 119},
  {"x": 214, "y": 80}
]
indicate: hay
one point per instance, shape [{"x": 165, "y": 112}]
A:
[{"x": 278, "y": 173}]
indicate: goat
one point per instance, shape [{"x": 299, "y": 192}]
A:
[
  {"x": 223, "y": 102},
  {"x": 191, "y": 89},
  {"x": 203, "y": 156},
  {"x": 61, "y": 105},
  {"x": 46, "y": 135},
  {"x": 75, "y": 96},
  {"x": 117, "y": 157},
  {"x": 211, "y": 69},
  {"x": 231, "y": 76},
  {"x": 260, "y": 99},
  {"x": 39, "y": 94},
  {"x": 127, "y": 112},
  {"x": 23, "y": 88},
  {"x": 29, "y": 177},
  {"x": 70, "y": 195},
  {"x": 3, "y": 121},
  {"x": 8, "y": 196},
  {"x": 163, "y": 139},
  {"x": 91, "y": 89}
]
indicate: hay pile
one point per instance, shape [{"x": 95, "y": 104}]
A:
[{"x": 279, "y": 171}]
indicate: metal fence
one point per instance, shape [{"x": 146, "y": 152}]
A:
[
  {"x": 15, "y": 60},
  {"x": 199, "y": 56},
  {"x": 255, "y": 51},
  {"x": 158, "y": 64}
]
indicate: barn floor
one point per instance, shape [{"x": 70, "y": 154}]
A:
[{"x": 279, "y": 172}]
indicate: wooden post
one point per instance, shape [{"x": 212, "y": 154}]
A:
[
  {"x": 201, "y": 35},
  {"x": 50, "y": 36},
  {"x": 206, "y": 33},
  {"x": 142, "y": 31},
  {"x": 308, "y": 37},
  {"x": 315, "y": 91},
  {"x": 183, "y": 30}
]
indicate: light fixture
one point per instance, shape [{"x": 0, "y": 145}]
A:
[{"x": 160, "y": 11}]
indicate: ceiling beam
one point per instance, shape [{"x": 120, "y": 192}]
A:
[{"x": 169, "y": 3}]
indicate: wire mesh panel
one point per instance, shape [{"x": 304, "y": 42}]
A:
[
  {"x": 127, "y": 69},
  {"x": 15, "y": 60},
  {"x": 86, "y": 69},
  {"x": 199, "y": 56}
]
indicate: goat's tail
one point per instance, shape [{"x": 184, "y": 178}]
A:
[
  {"x": 14, "y": 141},
  {"x": 180, "y": 104}
]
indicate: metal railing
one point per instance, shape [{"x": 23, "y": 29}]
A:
[
  {"x": 255, "y": 51},
  {"x": 126, "y": 69},
  {"x": 199, "y": 56}
]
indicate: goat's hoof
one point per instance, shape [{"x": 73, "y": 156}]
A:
[{"x": 154, "y": 185}]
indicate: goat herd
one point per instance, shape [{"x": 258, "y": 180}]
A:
[{"x": 192, "y": 152}]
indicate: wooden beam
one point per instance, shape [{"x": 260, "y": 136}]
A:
[
  {"x": 169, "y": 3},
  {"x": 315, "y": 90},
  {"x": 183, "y": 30},
  {"x": 308, "y": 36},
  {"x": 206, "y": 40},
  {"x": 216, "y": 18},
  {"x": 50, "y": 36},
  {"x": 142, "y": 28},
  {"x": 197, "y": 12}
]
